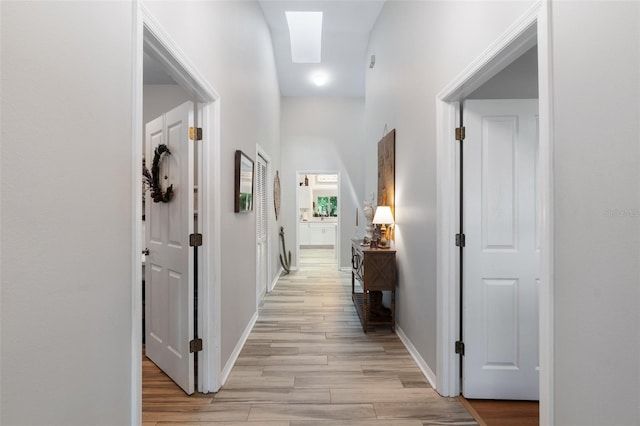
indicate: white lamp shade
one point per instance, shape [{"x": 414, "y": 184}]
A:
[{"x": 383, "y": 216}]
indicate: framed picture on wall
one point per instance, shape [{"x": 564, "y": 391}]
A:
[{"x": 244, "y": 183}]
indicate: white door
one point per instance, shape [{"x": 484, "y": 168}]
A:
[
  {"x": 501, "y": 257},
  {"x": 169, "y": 269},
  {"x": 262, "y": 223}
]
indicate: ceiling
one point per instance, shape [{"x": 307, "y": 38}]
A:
[{"x": 345, "y": 34}]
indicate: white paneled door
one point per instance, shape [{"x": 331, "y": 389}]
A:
[
  {"x": 501, "y": 256},
  {"x": 169, "y": 269}
]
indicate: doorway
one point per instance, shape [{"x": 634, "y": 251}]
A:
[
  {"x": 531, "y": 29},
  {"x": 151, "y": 39},
  {"x": 317, "y": 213}
]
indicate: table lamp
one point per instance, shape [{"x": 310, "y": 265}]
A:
[{"x": 383, "y": 217}]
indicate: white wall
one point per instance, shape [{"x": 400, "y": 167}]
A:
[
  {"x": 66, "y": 213},
  {"x": 323, "y": 134},
  {"x": 239, "y": 64},
  {"x": 160, "y": 98},
  {"x": 519, "y": 80},
  {"x": 597, "y": 212},
  {"x": 66, "y": 192},
  {"x": 419, "y": 48}
]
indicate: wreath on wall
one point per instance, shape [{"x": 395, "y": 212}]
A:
[{"x": 152, "y": 179}]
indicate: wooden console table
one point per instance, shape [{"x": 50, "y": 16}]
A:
[{"x": 375, "y": 270}]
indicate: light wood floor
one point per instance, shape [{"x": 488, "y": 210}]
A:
[{"x": 308, "y": 363}]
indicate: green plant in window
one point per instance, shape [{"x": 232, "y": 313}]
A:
[
  {"x": 322, "y": 206},
  {"x": 333, "y": 203},
  {"x": 327, "y": 206}
]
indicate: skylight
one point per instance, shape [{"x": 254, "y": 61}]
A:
[{"x": 305, "y": 32}]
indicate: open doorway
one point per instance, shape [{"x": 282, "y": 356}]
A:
[
  {"x": 170, "y": 206},
  {"x": 530, "y": 30},
  {"x": 500, "y": 202},
  {"x": 202, "y": 241},
  {"x": 317, "y": 213}
]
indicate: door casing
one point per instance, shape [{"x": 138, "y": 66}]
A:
[
  {"x": 149, "y": 35},
  {"x": 534, "y": 27}
]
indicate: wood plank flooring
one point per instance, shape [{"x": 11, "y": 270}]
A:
[
  {"x": 308, "y": 363},
  {"x": 503, "y": 413}
]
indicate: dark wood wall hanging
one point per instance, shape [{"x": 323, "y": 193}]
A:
[{"x": 387, "y": 171}]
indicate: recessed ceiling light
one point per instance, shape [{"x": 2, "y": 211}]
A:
[
  {"x": 320, "y": 79},
  {"x": 305, "y": 33}
]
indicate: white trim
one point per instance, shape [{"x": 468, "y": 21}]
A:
[
  {"x": 448, "y": 261},
  {"x": 510, "y": 45},
  {"x": 136, "y": 219},
  {"x": 513, "y": 42},
  {"x": 236, "y": 351},
  {"x": 211, "y": 324},
  {"x": 422, "y": 364},
  {"x": 546, "y": 309},
  {"x": 149, "y": 34}
]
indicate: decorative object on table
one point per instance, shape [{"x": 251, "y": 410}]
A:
[
  {"x": 152, "y": 179},
  {"x": 368, "y": 214},
  {"x": 276, "y": 194},
  {"x": 383, "y": 218},
  {"x": 243, "y": 194},
  {"x": 286, "y": 260},
  {"x": 386, "y": 172}
]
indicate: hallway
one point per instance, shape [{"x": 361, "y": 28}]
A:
[{"x": 307, "y": 363}]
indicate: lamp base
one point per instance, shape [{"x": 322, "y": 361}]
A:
[{"x": 384, "y": 243}]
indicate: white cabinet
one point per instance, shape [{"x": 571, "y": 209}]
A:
[
  {"x": 317, "y": 234},
  {"x": 304, "y": 234}
]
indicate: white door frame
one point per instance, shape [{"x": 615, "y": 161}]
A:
[
  {"x": 532, "y": 28},
  {"x": 262, "y": 153},
  {"x": 149, "y": 34},
  {"x": 296, "y": 215}
]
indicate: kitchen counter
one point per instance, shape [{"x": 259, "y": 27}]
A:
[{"x": 320, "y": 220}]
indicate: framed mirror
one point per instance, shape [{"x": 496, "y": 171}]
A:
[{"x": 244, "y": 183}]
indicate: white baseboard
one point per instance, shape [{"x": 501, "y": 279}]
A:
[
  {"x": 345, "y": 269},
  {"x": 275, "y": 279},
  {"x": 236, "y": 351},
  {"x": 428, "y": 374}
]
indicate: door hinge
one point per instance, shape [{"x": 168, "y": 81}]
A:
[
  {"x": 460, "y": 133},
  {"x": 195, "y": 240},
  {"x": 460, "y": 240},
  {"x": 460, "y": 348},
  {"x": 195, "y": 345},
  {"x": 195, "y": 133}
]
